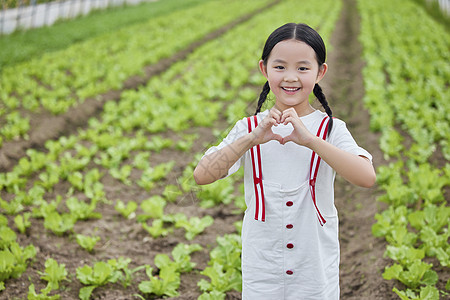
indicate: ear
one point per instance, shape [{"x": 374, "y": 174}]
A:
[
  {"x": 322, "y": 70},
  {"x": 263, "y": 68}
]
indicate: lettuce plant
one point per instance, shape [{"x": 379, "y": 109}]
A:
[
  {"x": 165, "y": 284},
  {"x": 87, "y": 242}
]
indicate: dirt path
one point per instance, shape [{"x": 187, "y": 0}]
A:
[{"x": 361, "y": 253}]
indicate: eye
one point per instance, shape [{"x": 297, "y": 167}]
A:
[
  {"x": 279, "y": 67},
  {"x": 303, "y": 69}
]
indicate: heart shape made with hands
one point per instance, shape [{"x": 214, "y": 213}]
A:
[
  {"x": 284, "y": 119},
  {"x": 282, "y": 132}
]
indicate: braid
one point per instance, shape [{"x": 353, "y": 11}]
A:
[
  {"x": 323, "y": 100},
  {"x": 263, "y": 96}
]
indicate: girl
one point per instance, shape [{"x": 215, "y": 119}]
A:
[{"x": 290, "y": 154}]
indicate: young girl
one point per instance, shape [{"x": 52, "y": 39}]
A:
[{"x": 290, "y": 154}]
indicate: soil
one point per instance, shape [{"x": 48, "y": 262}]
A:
[{"x": 362, "y": 259}]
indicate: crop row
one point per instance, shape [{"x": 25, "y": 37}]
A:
[
  {"x": 121, "y": 143},
  {"x": 406, "y": 81},
  {"x": 59, "y": 80}
]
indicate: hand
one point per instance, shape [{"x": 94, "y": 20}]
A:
[
  {"x": 263, "y": 132},
  {"x": 300, "y": 135}
]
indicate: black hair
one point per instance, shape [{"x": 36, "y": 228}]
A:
[{"x": 304, "y": 33}]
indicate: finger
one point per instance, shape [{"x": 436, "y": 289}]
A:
[
  {"x": 290, "y": 112},
  {"x": 288, "y": 120},
  {"x": 275, "y": 110},
  {"x": 286, "y": 114},
  {"x": 278, "y": 138},
  {"x": 276, "y": 114}
]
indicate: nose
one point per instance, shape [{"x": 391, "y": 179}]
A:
[{"x": 290, "y": 77}]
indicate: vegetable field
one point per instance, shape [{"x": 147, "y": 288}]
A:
[{"x": 99, "y": 138}]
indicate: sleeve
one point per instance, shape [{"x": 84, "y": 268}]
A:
[
  {"x": 239, "y": 130},
  {"x": 342, "y": 138}
]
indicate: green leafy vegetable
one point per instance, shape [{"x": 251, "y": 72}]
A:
[
  {"x": 87, "y": 242},
  {"x": 128, "y": 210},
  {"x": 166, "y": 284},
  {"x": 54, "y": 274},
  {"x": 194, "y": 225},
  {"x": 23, "y": 222}
]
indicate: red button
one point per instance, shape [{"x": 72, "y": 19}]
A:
[
  {"x": 290, "y": 246},
  {"x": 289, "y": 203},
  {"x": 289, "y": 272},
  {"x": 289, "y": 226}
]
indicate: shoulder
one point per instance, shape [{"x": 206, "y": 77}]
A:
[
  {"x": 340, "y": 133},
  {"x": 339, "y": 125}
]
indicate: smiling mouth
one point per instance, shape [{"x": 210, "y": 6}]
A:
[{"x": 289, "y": 89}]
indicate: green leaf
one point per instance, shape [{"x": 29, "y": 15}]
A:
[
  {"x": 429, "y": 293},
  {"x": 194, "y": 225},
  {"x": 162, "y": 260},
  {"x": 84, "y": 274},
  {"x": 167, "y": 283},
  {"x": 85, "y": 292},
  {"x": 153, "y": 208},
  {"x": 7, "y": 265},
  {"x": 23, "y": 222},
  {"x": 403, "y": 254},
  {"x": 102, "y": 273},
  {"x": 405, "y": 295},
  {"x": 54, "y": 273},
  {"x": 220, "y": 280},
  {"x": 7, "y": 236},
  {"x": 126, "y": 210},
  {"x": 430, "y": 277},
  {"x": 82, "y": 210},
  {"x": 213, "y": 295},
  {"x": 171, "y": 192},
  {"x": 59, "y": 224},
  {"x": 216, "y": 193},
  {"x": 32, "y": 295},
  {"x": 157, "y": 229},
  {"x": 87, "y": 242},
  {"x": 392, "y": 272},
  {"x": 228, "y": 252}
]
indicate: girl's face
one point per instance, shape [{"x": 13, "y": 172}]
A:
[{"x": 292, "y": 71}]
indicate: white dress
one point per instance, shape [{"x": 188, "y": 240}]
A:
[{"x": 290, "y": 255}]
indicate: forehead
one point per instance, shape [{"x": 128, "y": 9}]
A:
[{"x": 292, "y": 50}]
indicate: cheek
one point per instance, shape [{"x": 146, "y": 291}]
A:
[
  {"x": 274, "y": 78},
  {"x": 308, "y": 79}
]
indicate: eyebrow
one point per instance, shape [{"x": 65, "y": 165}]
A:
[{"x": 299, "y": 62}]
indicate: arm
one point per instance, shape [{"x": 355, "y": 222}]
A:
[
  {"x": 216, "y": 165},
  {"x": 355, "y": 169}
]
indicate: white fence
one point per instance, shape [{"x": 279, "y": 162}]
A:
[{"x": 37, "y": 15}]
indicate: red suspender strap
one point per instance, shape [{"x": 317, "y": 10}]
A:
[
  {"x": 314, "y": 168},
  {"x": 260, "y": 213}
]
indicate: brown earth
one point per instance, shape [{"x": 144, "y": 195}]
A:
[
  {"x": 362, "y": 261},
  {"x": 361, "y": 254}
]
